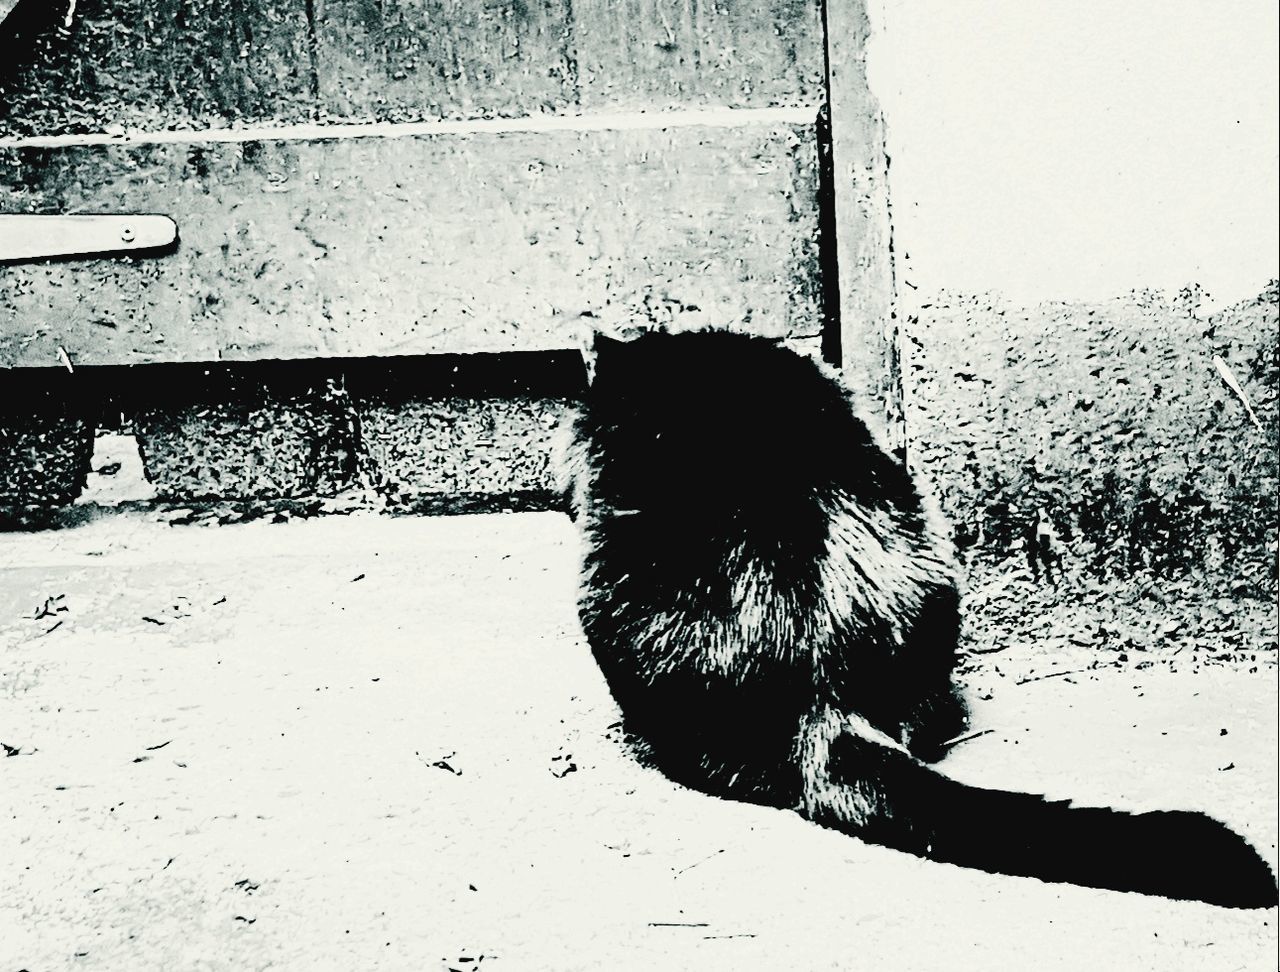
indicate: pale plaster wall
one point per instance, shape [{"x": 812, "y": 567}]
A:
[{"x": 1076, "y": 151}]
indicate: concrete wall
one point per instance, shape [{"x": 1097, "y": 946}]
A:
[
  {"x": 1084, "y": 203},
  {"x": 1078, "y": 150}
]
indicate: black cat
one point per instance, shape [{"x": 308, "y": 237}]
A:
[{"x": 775, "y": 612}]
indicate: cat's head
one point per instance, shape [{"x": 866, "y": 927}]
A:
[
  {"x": 684, "y": 419},
  {"x": 596, "y": 337}
]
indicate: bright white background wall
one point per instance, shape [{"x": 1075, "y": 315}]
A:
[{"x": 1078, "y": 149}]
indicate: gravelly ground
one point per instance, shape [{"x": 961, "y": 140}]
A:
[{"x": 377, "y": 742}]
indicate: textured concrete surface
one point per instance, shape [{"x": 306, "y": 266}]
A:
[
  {"x": 43, "y": 459},
  {"x": 46, "y": 437},
  {"x": 276, "y": 62},
  {"x": 1113, "y": 416},
  {"x": 317, "y": 246},
  {"x": 373, "y": 742}
]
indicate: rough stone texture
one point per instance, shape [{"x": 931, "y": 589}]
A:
[
  {"x": 1113, "y": 416},
  {"x": 399, "y": 60},
  {"x": 463, "y": 432},
  {"x": 657, "y": 54},
  {"x": 153, "y": 64},
  {"x": 402, "y": 61},
  {"x": 381, "y": 743},
  {"x": 239, "y": 451},
  {"x": 46, "y": 439},
  {"x": 264, "y": 433},
  {"x": 189, "y": 64},
  {"x": 454, "y": 448},
  {"x": 357, "y": 247},
  {"x": 445, "y": 433},
  {"x": 43, "y": 459},
  {"x": 439, "y": 455}
]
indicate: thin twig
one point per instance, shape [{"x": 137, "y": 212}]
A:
[
  {"x": 1226, "y": 374},
  {"x": 1038, "y": 678},
  {"x": 952, "y": 743},
  {"x": 696, "y": 863},
  {"x": 678, "y": 924}
]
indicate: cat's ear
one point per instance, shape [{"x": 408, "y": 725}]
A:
[
  {"x": 616, "y": 335},
  {"x": 603, "y": 340},
  {"x": 601, "y": 347},
  {"x": 602, "y": 343},
  {"x": 605, "y": 344}
]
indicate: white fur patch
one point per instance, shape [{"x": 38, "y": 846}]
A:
[
  {"x": 851, "y": 801},
  {"x": 874, "y": 566},
  {"x": 571, "y": 458}
]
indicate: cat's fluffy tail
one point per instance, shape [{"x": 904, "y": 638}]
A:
[{"x": 860, "y": 782}]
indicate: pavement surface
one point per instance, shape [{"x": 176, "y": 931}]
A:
[{"x": 374, "y": 742}]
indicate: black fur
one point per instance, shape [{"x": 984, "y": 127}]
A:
[{"x": 775, "y": 612}]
